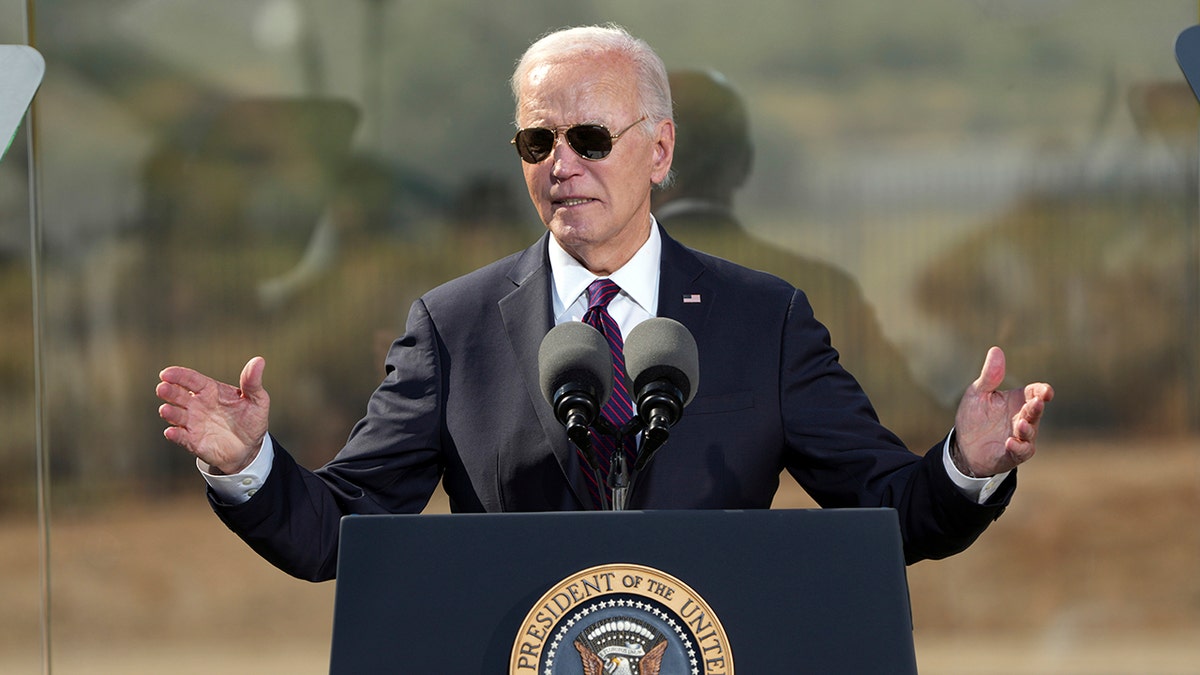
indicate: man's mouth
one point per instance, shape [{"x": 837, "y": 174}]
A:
[{"x": 572, "y": 201}]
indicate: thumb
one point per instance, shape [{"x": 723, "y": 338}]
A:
[
  {"x": 251, "y": 378},
  {"x": 992, "y": 374}
]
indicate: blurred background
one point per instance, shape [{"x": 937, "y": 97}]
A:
[{"x": 201, "y": 181}]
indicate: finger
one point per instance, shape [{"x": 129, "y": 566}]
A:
[
  {"x": 187, "y": 378},
  {"x": 251, "y": 378},
  {"x": 1019, "y": 451},
  {"x": 1024, "y": 429},
  {"x": 177, "y": 435},
  {"x": 1040, "y": 391},
  {"x": 1031, "y": 412},
  {"x": 173, "y": 415},
  {"x": 992, "y": 373},
  {"x": 1021, "y": 445},
  {"x": 173, "y": 394}
]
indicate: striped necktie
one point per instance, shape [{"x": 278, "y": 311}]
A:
[{"x": 619, "y": 408}]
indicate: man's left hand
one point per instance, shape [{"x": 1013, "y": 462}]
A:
[{"x": 997, "y": 430}]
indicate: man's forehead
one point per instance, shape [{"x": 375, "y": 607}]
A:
[
  {"x": 537, "y": 75},
  {"x": 589, "y": 86}
]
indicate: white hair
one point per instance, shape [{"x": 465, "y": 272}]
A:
[{"x": 654, "y": 91}]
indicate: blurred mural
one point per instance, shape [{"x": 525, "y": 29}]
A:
[{"x": 217, "y": 179}]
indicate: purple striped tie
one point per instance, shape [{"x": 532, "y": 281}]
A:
[{"x": 619, "y": 408}]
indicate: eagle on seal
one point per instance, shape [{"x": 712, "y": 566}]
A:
[{"x": 628, "y": 659}]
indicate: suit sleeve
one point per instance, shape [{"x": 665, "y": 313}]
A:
[
  {"x": 390, "y": 464},
  {"x": 843, "y": 457}
]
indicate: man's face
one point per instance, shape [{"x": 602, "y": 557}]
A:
[{"x": 599, "y": 211}]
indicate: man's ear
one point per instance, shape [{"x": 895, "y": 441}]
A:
[{"x": 664, "y": 150}]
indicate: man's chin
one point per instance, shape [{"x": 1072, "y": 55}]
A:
[{"x": 569, "y": 231}]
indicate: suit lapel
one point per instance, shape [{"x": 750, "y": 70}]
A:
[
  {"x": 527, "y": 317},
  {"x": 684, "y": 294}
]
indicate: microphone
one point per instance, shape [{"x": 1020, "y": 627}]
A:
[
  {"x": 575, "y": 372},
  {"x": 664, "y": 366}
]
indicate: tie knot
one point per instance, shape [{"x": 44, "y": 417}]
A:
[{"x": 600, "y": 292}]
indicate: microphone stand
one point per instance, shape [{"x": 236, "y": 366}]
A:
[
  {"x": 618, "y": 480},
  {"x": 584, "y": 443},
  {"x": 618, "y": 469},
  {"x": 621, "y": 476}
]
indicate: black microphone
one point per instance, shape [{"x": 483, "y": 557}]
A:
[
  {"x": 664, "y": 366},
  {"x": 575, "y": 372}
]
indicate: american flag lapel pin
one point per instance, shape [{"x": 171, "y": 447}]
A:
[{"x": 693, "y": 298}]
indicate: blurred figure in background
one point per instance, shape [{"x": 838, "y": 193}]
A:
[{"x": 713, "y": 159}]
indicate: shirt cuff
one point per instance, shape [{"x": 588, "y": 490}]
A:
[
  {"x": 238, "y": 488},
  {"x": 976, "y": 489}
]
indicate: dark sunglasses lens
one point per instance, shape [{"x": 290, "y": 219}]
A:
[
  {"x": 591, "y": 141},
  {"x": 534, "y": 145}
]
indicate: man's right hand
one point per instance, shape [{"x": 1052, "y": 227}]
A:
[{"x": 220, "y": 424}]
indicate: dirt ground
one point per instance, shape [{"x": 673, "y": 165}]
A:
[{"x": 1094, "y": 569}]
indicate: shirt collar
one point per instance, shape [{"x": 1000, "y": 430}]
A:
[{"x": 637, "y": 278}]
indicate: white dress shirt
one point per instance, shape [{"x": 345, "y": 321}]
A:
[{"x": 638, "y": 279}]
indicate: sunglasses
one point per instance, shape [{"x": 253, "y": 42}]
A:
[{"x": 589, "y": 141}]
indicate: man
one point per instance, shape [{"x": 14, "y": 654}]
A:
[{"x": 461, "y": 399}]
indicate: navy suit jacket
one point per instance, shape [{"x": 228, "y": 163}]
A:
[{"x": 461, "y": 403}]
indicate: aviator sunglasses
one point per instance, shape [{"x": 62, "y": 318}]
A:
[{"x": 589, "y": 141}]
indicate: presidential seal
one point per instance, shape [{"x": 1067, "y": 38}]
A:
[{"x": 621, "y": 619}]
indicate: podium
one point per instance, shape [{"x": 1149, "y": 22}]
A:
[{"x": 705, "y": 592}]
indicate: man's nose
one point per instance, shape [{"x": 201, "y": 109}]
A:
[{"x": 566, "y": 161}]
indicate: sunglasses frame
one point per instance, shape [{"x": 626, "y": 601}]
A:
[{"x": 566, "y": 129}]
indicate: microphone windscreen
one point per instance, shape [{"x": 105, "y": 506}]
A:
[
  {"x": 576, "y": 353},
  {"x": 660, "y": 348}
]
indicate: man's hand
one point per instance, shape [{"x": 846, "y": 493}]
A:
[
  {"x": 997, "y": 430},
  {"x": 220, "y": 424}
]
